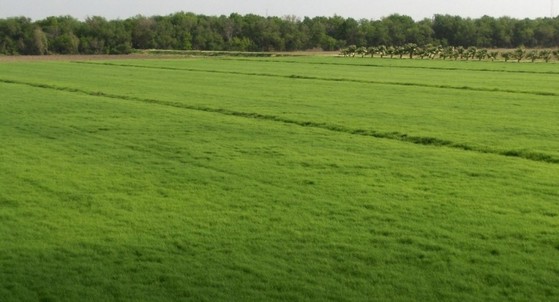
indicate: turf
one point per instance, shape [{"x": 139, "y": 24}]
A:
[{"x": 233, "y": 180}]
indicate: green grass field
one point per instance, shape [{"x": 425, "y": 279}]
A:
[{"x": 279, "y": 179}]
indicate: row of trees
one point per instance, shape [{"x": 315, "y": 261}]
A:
[
  {"x": 412, "y": 50},
  {"x": 185, "y": 31}
]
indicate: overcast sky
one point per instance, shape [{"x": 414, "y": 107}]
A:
[{"x": 368, "y": 9}]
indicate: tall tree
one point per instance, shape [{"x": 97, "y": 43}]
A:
[
  {"x": 40, "y": 43},
  {"x": 143, "y": 32}
]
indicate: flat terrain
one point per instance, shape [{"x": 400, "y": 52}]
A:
[{"x": 278, "y": 179}]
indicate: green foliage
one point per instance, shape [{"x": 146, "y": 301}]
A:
[
  {"x": 533, "y": 55},
  {"x": 66, "y": 43},
  {"x": 507, "y": 55},
  {"x": 493, "y": 55},
  {"x": 40, "y": 43},
  {"x": 382, "y": 50},
  {"x": 187, "y": 31},
  {"x": 481, "y": 54},
  {"x": 362, "y": 51},
  {"x": 240, "y": 44},
  {"x": 352, "y": 50},
  {"x": 546, "y": 55},
  {"x": 471, "y": 52},
  {"x": 461, "y": 51},
  {"x": 519, "y": 54},
  {"x": 410, "y": 49}
]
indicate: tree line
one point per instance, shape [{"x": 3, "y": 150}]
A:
[{"x": 188, "y": 31}]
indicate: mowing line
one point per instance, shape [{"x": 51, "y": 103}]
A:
[
  {"x": 300, "y": 77},
  {"x": 418, "y": 140}
]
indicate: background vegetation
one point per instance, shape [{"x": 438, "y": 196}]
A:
[{"x": 186, "y": 31}]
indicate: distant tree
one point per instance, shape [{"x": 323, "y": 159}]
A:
[
  {"x": 507, "y": 55},
  {"x": 240, "y": 44},
  {"x": 362, "y": 51},
  {"x": 352, "y": 49},
  {"x": 493, "y": 55},
  {"x": 165, "y": 36},
  {"x": 435, "y": 51},
  {"x": 410, "y": 49},
  {"x": 120, "y": 40},
  {"x": 481, "y": 54},
  {"x": 400, "y": 51},
  {"x": 382, "y": 50},
  {"x": 391, "y": 51},
  {"x": 40, "y": 44},
  {"x": 372, "y": 50},
  {"x": 471, "y": 52},
  {"x": 62, "y": 34},
  {"x": 446, "y": 52},
  {"x": 16, "y": 35},
  {"x": 519, "y": 54},
  {"x": 532, "y": 56},
  {"x": 545, "y": 55},
  {"x": 399, "y": 29},
  {"x": 457, "y": 53},
  {"x": 143, "y": 32},
  {"x": 461, "y": 51},
  {"x": 422, "y": 52},
  {"x": 67, "y": 43}
]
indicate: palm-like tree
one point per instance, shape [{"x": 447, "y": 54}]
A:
[
  {"x": 352, "y": 49},
  {"x": 372, "y": 51},
  {"x": 382, "y": 50},
  {"x": 436, "y": 50},
  {"x": 493, "y": 55},
  {"x": 460, "y": 51},
  {"x": 361, "y": 51},
  {"x": 446, "y": 53},
  {"x": 533, "y": 56},
  {"x": 400, "y": 51},
  {"x": 481, "y": 54},
  {"x": 410, "y": 49},
  {"x": 471, "y": 52},
  {"x": 507, "y": 55},
  {"x": 519, "y": 54},
  {"x": 422, "y": 53},
  {"x": 391, "y": 51},
  {"x": 546, "y": 55}
]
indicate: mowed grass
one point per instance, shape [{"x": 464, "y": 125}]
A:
[
  {"x": 149, "y": 183},
  {"x": 510, "y": 120}
]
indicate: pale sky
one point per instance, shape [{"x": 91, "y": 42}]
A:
[{"x": 358, "y": 9}]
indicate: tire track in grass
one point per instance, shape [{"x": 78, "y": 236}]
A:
[
  {"x": 397, "y": 136},
  {"x": 392, "y": 66},
  {"x": 315, "y": 78}
]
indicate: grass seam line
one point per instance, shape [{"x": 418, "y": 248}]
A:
[
  {"x": 314, "y": 78},
  {"x": 397, "y": 136}
]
